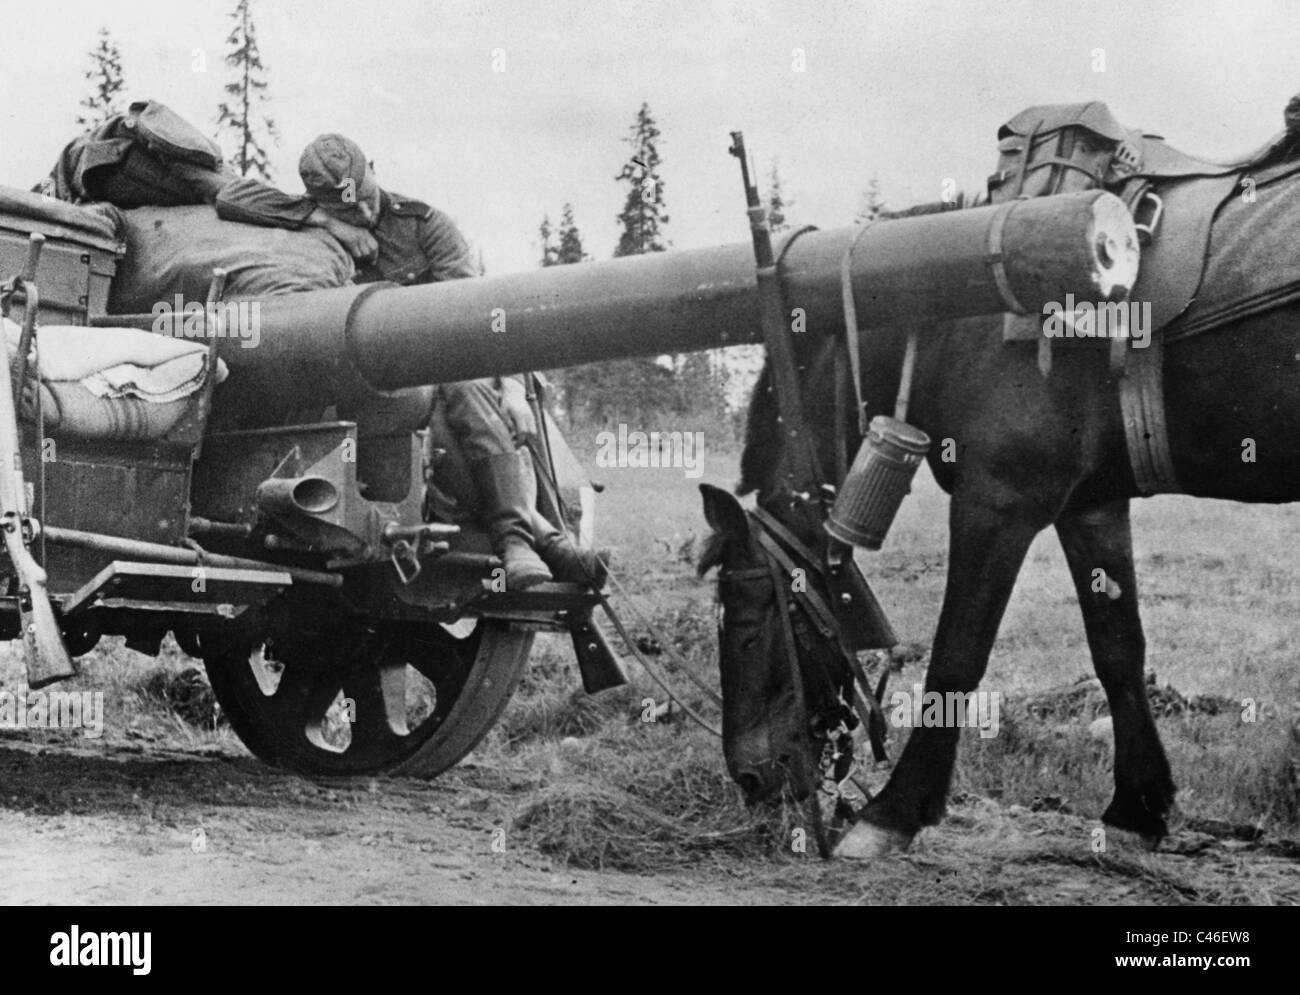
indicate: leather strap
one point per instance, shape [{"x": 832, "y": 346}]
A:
[
  {"x": 1023, "y": 171},
  {"x": 867, "y": 705},
  {"x": 771, "y": 524},
  {"x": 841, "y": 408},
  {"x": 851, "y": 325},
  {"x": 801, "y": 703},
  {"x": 1209, "y": 320},
  {"x": 817, "y": 609},
  {"x": 1142, "y": 402},
  {"x": 995, "y": 262}
]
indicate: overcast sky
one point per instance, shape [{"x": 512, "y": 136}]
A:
[{"x": 912, "y": 92}]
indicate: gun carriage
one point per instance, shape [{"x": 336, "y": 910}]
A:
[{"x": 274, "y": 524}]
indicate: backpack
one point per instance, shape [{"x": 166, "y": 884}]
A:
[
  {"x": 1061, "y": 148},
  {"x": 169, "y": 136},
  {"x": 147, "y": 156}
]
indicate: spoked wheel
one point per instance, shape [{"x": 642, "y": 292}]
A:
[{"x": 396, "y": 698}]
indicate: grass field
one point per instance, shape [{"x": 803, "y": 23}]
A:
[{"x": 1219, "y": 586}]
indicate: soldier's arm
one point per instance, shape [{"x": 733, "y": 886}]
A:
[
  {"x": 256, "y": 203},
  {"x": 253, "y": 202},
  {"x": 446, "y": 249}
]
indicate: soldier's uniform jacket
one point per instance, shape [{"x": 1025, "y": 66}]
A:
[{"x": 417, "y": 244}]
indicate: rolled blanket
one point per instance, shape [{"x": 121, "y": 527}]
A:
[
  {"x": 115, "y": 383},
  {"x": 74, "y": 352},
  {"x": 70, "y": 409}
]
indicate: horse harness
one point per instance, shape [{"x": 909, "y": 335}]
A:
[{"x": 1174, "y": 199}]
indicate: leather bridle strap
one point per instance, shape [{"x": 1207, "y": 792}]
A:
[
  {"x": 867, "y": 705},
  {"x": 770, "y": 522},
  {"x": 818, "y": 610},
  {"x": 801, "y": 704}
]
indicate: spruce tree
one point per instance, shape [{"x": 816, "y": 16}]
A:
[
  {"x": 105, "y": 77},
  {"x": 550, "y": 255},
  {"x": 871, "y": 205},
  {"x": 776, "y": 202},
  {"x": 239, "y": 117},
  {"x": 635, "y": 390},
  {"x": 643, "y": 215},
  {"x": 570, "y": 249}
]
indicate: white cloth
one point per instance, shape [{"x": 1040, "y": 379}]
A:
[{"x": 119, "y": 362}]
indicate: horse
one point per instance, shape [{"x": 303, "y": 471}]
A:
[{"x": 1031, "y": 451}]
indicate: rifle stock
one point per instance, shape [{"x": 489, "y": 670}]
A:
[{"x": 47, "y": 657}]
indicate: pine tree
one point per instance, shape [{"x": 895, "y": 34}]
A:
[
  {"x": 871, "y": 205},
  {"x": 563, "y": 244},
  {"x": 643, "y": 214},
  {"x": 629, "y": 390},
  {"x": 777, "y": 205},
  {"x": 550, "y": 255},
  {"x": 634, "y": 390},
  {"x": 247, "y": 92},
  {"x": 570, "y": 250},
  {"x": 105, "y": 75}
]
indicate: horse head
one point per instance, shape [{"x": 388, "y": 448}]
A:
[
  {"x": 785, "y": 682},
  {"x": 761, "y": 739}
]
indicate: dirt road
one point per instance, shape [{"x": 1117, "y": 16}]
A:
[{"x": 104, "y": 824}]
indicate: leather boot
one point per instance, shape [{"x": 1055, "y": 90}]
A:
[
  {"x": 569, "y": 563},
  {"x": 505, "y": 484}
]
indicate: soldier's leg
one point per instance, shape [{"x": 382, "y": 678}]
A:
[
  {"x": 567, "y": 562},
  {"x": 502, "y": 475}
]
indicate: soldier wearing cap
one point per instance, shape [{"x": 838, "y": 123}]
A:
[
  {"x": 416, "y": 243},
  {"x": 152, "y": 156}
]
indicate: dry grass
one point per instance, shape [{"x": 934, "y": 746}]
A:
[
  {"x": 1215, "y": 637},
  {"x": 610, "y": 791}
]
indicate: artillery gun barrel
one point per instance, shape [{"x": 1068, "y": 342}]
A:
[{"x": 1016, "y": 256}]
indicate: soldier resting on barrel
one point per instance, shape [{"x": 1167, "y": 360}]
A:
[
  {"x": 489, "y": 418},
  {"x": 152, "y": 156}
]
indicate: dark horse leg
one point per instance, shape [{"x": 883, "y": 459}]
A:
[
  {"x": 1099, "y": 539},
  {"x": 988, "y": 542}
]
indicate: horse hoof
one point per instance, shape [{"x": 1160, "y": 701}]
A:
[{"x": 867, "y": 842}]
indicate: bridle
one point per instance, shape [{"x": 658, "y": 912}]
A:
[
  {"x": 818, "y": 637},
  {"x": 811, "y": 642}
]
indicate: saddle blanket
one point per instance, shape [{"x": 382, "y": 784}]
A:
[{"x": 1251, "y": 265}]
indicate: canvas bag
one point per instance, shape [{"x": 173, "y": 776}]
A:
[
  {"x": 169, "y": 136},
  {"x": 1060, "y": 148}
]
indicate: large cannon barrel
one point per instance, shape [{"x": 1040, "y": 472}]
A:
[{"x": 1016, "y": 256}]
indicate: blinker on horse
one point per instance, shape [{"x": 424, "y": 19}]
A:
[{"x": 1059, "y": 435}]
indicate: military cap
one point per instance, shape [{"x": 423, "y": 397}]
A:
[{"x": 333, "y": 169}]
